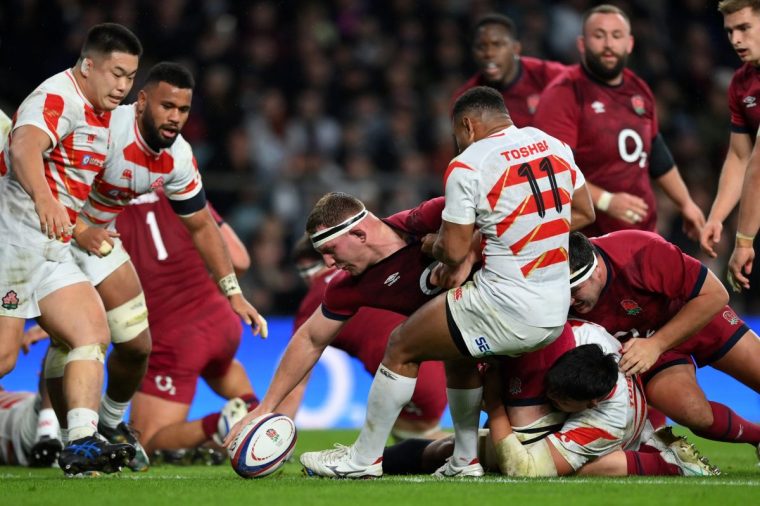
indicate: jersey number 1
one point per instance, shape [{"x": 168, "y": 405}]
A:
[{"x": 155, "y": 233}]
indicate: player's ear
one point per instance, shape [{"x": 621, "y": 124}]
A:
[
  {"x": 359, "y": 233},
  {"x": 85, "y": 66},
  {"x": 517, "y": 47},
  {"x": 580, "y": 44},
  {"x": 142, "y": 100},
  {"x": 630, "y": 45}
]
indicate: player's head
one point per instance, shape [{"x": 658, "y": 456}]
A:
[
  {"x": 308, "y": 261},
  {"x": 163, "y": 104},
  {"x": 495, "y": 48},
  {"x": 107, "y": 65},
  {"x": 588, "y": 274},
  {"x": 476, "y": 114},
  {"x": 606, "y": 41},
  {"x": 337, "y": 227},
  {"x": 581, "y": 378},
  {"x": 741, "y": 19}
]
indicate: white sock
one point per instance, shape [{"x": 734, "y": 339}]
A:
[
  {"x": 82, "y": 422},
  {"x": 387, "y": 396},
  {"x": 64, "y": 436},
  {"x": 28, "y": 426},
  {"x": 47, "y": 424},
  {"x": 112, "y": 412},
  {"x": 464, "y": 405}
]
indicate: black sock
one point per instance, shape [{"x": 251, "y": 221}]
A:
[{"x": 405, "y": 457}]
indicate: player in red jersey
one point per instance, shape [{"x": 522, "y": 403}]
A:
[
  {"x": 667, "y": 308},
  {"x": 741, "y": 19},
  {"x": 365, "y": 338},
  {"x": 607, "y": 115},
  {"x": 174, "y": 277},
  {"x": 58, "y": 144},
  {"x": 520, "y": 79}
]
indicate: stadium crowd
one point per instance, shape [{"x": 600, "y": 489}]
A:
[{"x": 298, "y": 98}]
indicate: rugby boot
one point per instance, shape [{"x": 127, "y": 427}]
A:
[
  {"x": 45, "y": 452},
  {"x": 337, "y": 463},
  {"x": 207, "y": 456},
  {"x": 685, "y": 455},
  {"x": 124, "y": 433},
  {"x": 93, "y": 454},
  {"x": 451, "y": 470}
]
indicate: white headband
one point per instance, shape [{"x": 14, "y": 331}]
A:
[
  {"x": 307, "y": 272},
  {"x": 330, "y": 233},
  {"x": 582, "y": 274}
]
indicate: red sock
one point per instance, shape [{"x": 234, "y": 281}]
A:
[
  {"x": 649, "y": 464},
  {"x": 209, "y": 423},
  {"x": 251, "y": 400},
  {"x": 656, "y": 418},
  {"x": 728, "y": 426}
]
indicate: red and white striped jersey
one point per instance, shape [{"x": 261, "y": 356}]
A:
[
  {"x": 516, "y": 186},
  {"x": 80, "y": 138},
  {"x": 132, "y": 169}
]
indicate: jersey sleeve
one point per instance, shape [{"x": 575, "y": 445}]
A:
[
  {"x": 185, "y": 189},
  {"x": 666, "y": 269},
  {"x": 738, "y": 124},
  {"x": 461, "y": 189},
  {"x": 340, "y": 301},
  {"x": 48, "y": 112},
  {"x": 557, "y": 112},
  {"x": 423, "y": 219}
]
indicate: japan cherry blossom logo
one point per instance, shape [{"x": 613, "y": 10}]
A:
[
  {"x": 10, "y": 300},
  {"x": 631, "y": 307},
  {"x": 638, "y": 104},
  {"x": 515, "y": 385}
]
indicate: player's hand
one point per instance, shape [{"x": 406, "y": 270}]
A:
[
  {"x": 740, "y": 267},
  {"x": 95, "y": 240},
  {"x": 628, "y": 208},
  {"x": 710, "y": 237},
  {"x": 235, "y": 430},
  {"x": 446, "y": 276},
  {"x": 639, "y": 354},
  {"x": 54, "y": 219},
  {"x": 693, "y": 220},
  {"x": 248, "y": 313},
  {"x": 31, "y": 336}
]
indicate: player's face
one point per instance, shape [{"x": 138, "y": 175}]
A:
[
  {"x": 163, "y": 110},
  {"x": 346, "y": 252},
  {"x": 605, "y": 45},
  {"x": 743, "y": 30},
  {"x": 110, "y": 78},
  {"x": 584, "y": 297},
  {"x": 495, "y": 53}
]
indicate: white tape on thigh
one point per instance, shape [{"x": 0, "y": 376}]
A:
[
  {"x": 55, "y": 362},
  {"x": 518, "y": 460},
  {"x": 128, "y": 320},
  {"x": 96, "y": 352}
]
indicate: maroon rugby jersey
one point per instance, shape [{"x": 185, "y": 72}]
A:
[
  {"x": 364, "y": 336},
  {"x": 172, "y": 273},
  {"x": 744, "y": 100},
  {"x": 648, "y": 281},
  {"x": 610, "y": 129},
  {"x": 398, "y": 283},
  {"x": 522, "y": 94}
]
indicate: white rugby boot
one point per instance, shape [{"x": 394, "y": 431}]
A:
[
  {"x": 684, "y": 455},
  {"x": 451, "y": 470},
  {"x": 337, "y": 463},
  {"x": 232, "y": 412}
]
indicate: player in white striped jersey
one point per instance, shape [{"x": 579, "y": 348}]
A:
[
  {"x": 57, "y": 146},
  {"x": 517, "y": 186},
  {"x": 147, "y": 152}
]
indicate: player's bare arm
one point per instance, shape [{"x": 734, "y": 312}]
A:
[
  {"x": 581, "y": 209},
  {"x": 454, "y": 243},
  {"x": 301, "y": 354},
  {"x": 740, "y": 264},
  {"x": 241, "y": 260},
  {"x": 29, "y": 144},
  {"x": 621, "y": 205},
  {"x": 94, "y": 240},
  {"x": 674, "y": 187},
  {"x": 639, "y": 354},
  {"x": 210, "y": 244},
  {"x": 729, "y": 190}
]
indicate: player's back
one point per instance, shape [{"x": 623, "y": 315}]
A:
[{"x": 172, "y": 272}]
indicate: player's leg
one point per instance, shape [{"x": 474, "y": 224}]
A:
[
  {"x": 674, "y": 391},
  {"x": 11, "y": 334},
  {"x": 150, "y": 415},
  {"x": 232, "y": 383},
  {"x": 417, "y": 456},
  {"x": 420, "y": 417}
]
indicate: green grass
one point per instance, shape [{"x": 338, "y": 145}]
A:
[{"x": 220, "y": 486}]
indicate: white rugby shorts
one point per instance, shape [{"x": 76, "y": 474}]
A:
[{"x": 99, "y": 268}]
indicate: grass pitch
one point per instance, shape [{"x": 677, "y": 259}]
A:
[{"x": 220, "y": 486}]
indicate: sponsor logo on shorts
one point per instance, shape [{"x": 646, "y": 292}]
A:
[
  {"x": 731, "y": 317},
  {"x": 458, "y": 293},
  {"x": 482, "y": 344},
  {"x": 631, "y": 307},
  {"x": 165, "y": 384},
  {"x": 390, "y": 280},
  {"x": 515, "y": 385},
  {"x": 10, "y": 300}
]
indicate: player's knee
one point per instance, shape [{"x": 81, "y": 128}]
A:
[
  {"x": 395, "y": 351},
  {"x": 90, "y": 352},
  {"x": 129, "y": 321},
  {"x": 135, "y": 350},
  {"x": 7, "y": 361},
  {"x": 55, "y": 362},
  {"x": 694, "y": 416}
]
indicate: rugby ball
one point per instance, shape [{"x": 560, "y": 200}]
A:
[{"x": 263, "y": 445}]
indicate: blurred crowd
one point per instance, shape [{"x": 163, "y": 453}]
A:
[{"x": 297, "y": 98}]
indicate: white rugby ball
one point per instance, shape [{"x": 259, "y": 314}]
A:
[{"x": 263, "y": 445}]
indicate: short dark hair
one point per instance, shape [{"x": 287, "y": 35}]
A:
[
  {"x": 479, "y": 98},
  {"x": 582, "y": 251},
  {"x": 584, "y": 373},
  {"x": 172, "y": 73},
  {"x": 605, "y": 9},
  {"x": 730, "y": 6},
  {"x": 495, "y": 19},
  {"x": 332, "y": 209},
  {"x": 303, "y": 250},
  {"x": 107, "y": 38}
]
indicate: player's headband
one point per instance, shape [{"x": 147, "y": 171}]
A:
[
  {"x": 582, "y": 274},
  {"x": 330, "y": 233},
  {"x": 310, "y": 270}
]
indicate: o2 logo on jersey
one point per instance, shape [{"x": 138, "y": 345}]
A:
[
  {"x": 637, "y": 154},
  {"x": 483, "y": 347},
  {"x": 165, "y": 384},
  {"x": 426, "y": 286}
]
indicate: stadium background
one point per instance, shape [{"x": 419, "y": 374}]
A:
[{"x": 296, "y": 98}]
